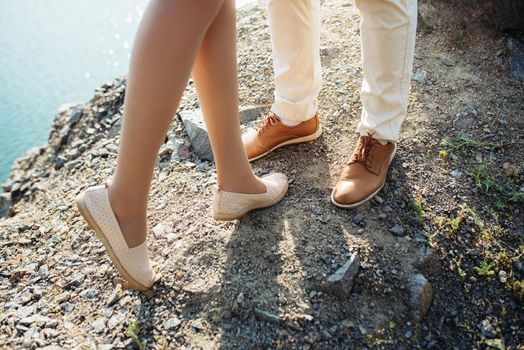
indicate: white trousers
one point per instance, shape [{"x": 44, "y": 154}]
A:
[{"x": 387, "y": 30}]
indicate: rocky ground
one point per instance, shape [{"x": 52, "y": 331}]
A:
[{"x": 435, "y": 261}]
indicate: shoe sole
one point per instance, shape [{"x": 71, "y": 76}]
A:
[
  {"x": 239, "y": 215},
  {"x": 307, "y": 138},
  {"x": 84, "y": 211},
  {"x": 354, "y": 205}
]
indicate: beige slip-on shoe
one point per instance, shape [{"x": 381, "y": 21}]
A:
[
  {"x": 230, "y": 206},
  {"x": 132, "y": 263}
]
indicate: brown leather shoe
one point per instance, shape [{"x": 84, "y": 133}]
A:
[
  {"x": 272, "y": 134},
  {"x": 365, "y": 174}
]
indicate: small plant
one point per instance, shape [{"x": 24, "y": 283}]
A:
[
  {"x": 484, "y": 269},
  {"x": 481, "y": 178},
  {"x": 132, "y": 332},
  {"x": 463, "y": 142},
  {"x": 518, "y": 289},
  {"x": 426, "y": 24},
  {"x": 500, "y": 205},
  {"x": 517, "y": 197},
  {"x": 416, "y": 206}
]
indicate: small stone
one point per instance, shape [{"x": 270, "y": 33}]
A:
[
  {"x": 487, "y": 329},
  {"x": 102, "y": 152},
  {"x": 43, "y": 271},
  {"x": 41, "y": 320},
  {"x": 89, "y": 293},
  {"x": 98, "y": 325},
  {"x": 113, "y": 322},
  {"x": 115, "y": 295},
  {"x": 397, "y": 230},
  {"x": 456, "y": 174},
  {"x": 67, "y": 308},
  {"x": 25, "y": 311},
  {"x": 420, "y": 76},
  {"x": 503, "y": 276},
  {"x": 421, "y": 297},
  {"x": 359, "y": 218},
  {"x": 330, "y": 51},
  {"x": 173, "y": 322},
  {"x": 163, "y": 229},
  {"x": 408, "y": 334},
  {"x": 341, "y": 282},
  {"x": 267, "y": 316},
  {"x": 50, "y": 333},
  {"x": 382, "y": 216},
  {"x": 76, "y": 280},
  {"x": 448, "y": 62},
  {"x": 26, "y": 321},
  {"x": 463, "y": 121},
  {"x": 197, "y": 132}
]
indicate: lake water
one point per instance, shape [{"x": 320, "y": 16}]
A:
[{"x": 54, "y": 52}]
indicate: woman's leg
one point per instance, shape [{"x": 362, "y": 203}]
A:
[
  {"x": 169, "y": 36},
  {"x": 215, "y": 75}
]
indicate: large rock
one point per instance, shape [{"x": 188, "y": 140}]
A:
[
  {"x": 341, "y": 282},
  {"x": 251, "y": 113},
  {"x": 197, "y": 131},
  {"x": 421, "y": 297},
  {"x": 5, "y": 203},
  {"x": 516, "y": 58},
  {"x": 427, "y": 260}
]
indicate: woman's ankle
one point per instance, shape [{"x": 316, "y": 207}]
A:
[
  {"x": 132, "y": 219},
  {"x": 250, "y": 185}
]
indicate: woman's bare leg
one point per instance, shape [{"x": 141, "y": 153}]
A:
[
  {"x": 169, "y": 36},
  {"x": 215, "y": 75}
]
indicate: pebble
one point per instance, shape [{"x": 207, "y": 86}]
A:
[
  {"x": 420, "y": 76},
  {"x": 487, "y": 329},
  {"x": 171, "y": 323},
  {"x": 163, "y": 229},
  {"x": 99, "y": 325},
  {"x": 503, "y": 276},
  {"x": 397, "y": 230},
  {"x": 456, "y": 174},
  {"x": 25, "y": 311},
  {"x": 76, "y": 280},
  {"x": 115, "y": 295},
  {"x": 359, "y": 218},
  {"x": 267, "y": 316},
  {"x": 448, "y": 62},
  {"x": 43, "y": 271},
  {"x": 89, "y": 293}
]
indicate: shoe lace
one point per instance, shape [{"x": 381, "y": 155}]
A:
[
  {"x": 364, "y": 151},
  {"x": 268, "y": 121}
]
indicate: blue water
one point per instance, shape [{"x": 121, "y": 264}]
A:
[{"x": 54, "y": 52}]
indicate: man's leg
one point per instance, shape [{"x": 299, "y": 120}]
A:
[
  {"x": 295, "y": 39},
  {"x": 388, "y": 30}
]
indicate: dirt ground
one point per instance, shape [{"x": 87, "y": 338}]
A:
[{"x": 454, "y": 199}]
